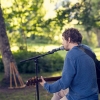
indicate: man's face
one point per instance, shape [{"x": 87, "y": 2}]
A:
[{"x": 65, "y": 43}]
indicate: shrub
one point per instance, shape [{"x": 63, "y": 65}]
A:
[
  {"x": 48, "y": 63},
  {"x": 51, "y": 63}
]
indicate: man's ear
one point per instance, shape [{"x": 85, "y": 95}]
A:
[{"x": 69, "y": 39}]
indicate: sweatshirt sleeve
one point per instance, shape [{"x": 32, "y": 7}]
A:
[{"x": 64, "y": 82}]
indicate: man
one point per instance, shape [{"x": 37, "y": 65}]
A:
[
  {"x": 78, "y": 74},
  {"x": 61, "y": 95}
]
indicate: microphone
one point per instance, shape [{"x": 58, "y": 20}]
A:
[{"x": 57, "y": 49}]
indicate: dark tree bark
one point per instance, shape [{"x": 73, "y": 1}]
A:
[
  {"x": 7, "y": 56},
  {"x": 97, "y": 32},
  {"x": 98, "y": 37}
]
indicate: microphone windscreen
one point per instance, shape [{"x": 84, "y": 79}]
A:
[{"x": 62, "y": 48}]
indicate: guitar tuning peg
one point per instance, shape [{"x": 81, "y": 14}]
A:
[{"x": 30, "y": 82}]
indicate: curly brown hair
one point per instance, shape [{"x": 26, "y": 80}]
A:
[{"x": 74, "y": 34}]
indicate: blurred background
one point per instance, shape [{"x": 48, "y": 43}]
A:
[{"x": 33, "y": 27}]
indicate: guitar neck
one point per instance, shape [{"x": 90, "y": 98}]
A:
[{"x": 50, "y": 78}]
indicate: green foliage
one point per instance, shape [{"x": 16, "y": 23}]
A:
[
  {"x": 48, "y": 63},
  {"x": 89, "y": 40},
  {"x": 51, "y": 63},
  {"x": 25, "y": 67},
  {"x": 41, "y": 39},
  {"x": 23, "y": 18},
  {"x": 86, "y": 12}
]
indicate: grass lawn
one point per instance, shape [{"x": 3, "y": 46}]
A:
[{"x": 29, "y": 92}]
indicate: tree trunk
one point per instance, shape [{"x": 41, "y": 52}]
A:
[
  {"x": 97, "y": 32},
  {"x": 88, "y": 37},
  {"x": 6, "y": 53},
  {"x": 98, "y": 38}
]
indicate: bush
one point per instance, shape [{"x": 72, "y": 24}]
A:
[
  {"x": 27, "y": 66},
  {"x": 41, "y": 39},
  {"x": 48, "y": 63},
  {"x": 51, "y": 63}
]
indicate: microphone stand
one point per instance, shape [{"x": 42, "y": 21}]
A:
[{"x": 36, "y": 65}]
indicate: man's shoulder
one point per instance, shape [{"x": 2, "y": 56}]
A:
[
  {"x": 75, "y": 52},
  {"x": 85, "y": 47}
]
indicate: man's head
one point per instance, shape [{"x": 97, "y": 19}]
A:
[{"x": 71, "y": 37}]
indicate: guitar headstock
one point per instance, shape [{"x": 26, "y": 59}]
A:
[{"x": 31, "y": 82}]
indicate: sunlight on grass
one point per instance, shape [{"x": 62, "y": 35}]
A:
[
  {"x": 53, "y": 74},
  {"x": 56, "y": 74},
  {"x": 43, "y": 48},
  {"x": 37, "y": 47}
]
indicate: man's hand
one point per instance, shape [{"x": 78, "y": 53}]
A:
[{"x": 43, "y": 81}]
